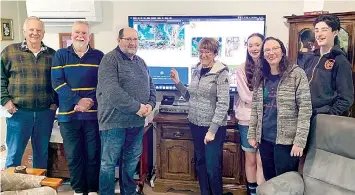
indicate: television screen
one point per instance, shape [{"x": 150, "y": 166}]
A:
[{"x": 167, "y": 42}]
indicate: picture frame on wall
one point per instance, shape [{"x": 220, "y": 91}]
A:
[
  {"x": 65, "y": 40},
  {"x": 7, "y": 31}
]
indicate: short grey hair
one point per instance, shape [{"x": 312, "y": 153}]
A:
[
  {"x": 82, "y": 22},
  {"x": 32, "y": 18}
]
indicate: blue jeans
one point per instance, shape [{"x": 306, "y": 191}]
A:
[
  {"x": 82, "y": 150},
  {"x": 208, "y": 159},
  {"x": 243, "y": 132},
  {"x": 123, "y": 145},
  {"x": 24, "y": 125}
]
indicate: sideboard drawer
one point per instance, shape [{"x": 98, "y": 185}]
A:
[
  {"x": 230, "y": 135},
  {"x": 176, "y": 132}
]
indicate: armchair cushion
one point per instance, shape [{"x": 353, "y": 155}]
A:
[
  {"x": 328, "y": 173},
  {"x": 289, "y": 183},
  {"x": 17, "y": 181}
]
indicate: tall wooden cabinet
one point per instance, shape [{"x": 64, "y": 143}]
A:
[
  {"x": 302, "y": 26},
  {"x": 176, "y": 162}
]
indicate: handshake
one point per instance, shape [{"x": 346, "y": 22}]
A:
[
  {"x": 144, "y": 110},
  {"x": 84, "y": 105}
]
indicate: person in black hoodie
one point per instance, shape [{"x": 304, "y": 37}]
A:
[{"x": 329, "y": 71}]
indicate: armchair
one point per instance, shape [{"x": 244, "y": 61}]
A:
[{"x": 329, "y": 168}]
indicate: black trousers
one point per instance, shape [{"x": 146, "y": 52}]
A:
[
  {"x": 81, "y": 141},
  {"x": 209, "y": 159},
  {"x": 276, "y": 159}
]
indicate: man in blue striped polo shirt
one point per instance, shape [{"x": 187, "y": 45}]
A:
[{"x": 74, "y": 78}]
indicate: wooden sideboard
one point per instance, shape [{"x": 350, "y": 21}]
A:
[
  {"x": 175, "y": 157},
  {"x": 57, "y": 163}
]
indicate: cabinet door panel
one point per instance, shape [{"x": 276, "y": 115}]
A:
[
  {"x": 347, "y": 40},
  {"x": 177, "y": 159},
  {"x": 231, "y": 163}
]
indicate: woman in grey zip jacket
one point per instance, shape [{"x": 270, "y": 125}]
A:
[
  {"x": 281, "y": 111},
  {"x": 208, "y": 97}
]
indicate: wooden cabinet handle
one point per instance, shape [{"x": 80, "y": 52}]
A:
[{"x": 178, "y": 134}]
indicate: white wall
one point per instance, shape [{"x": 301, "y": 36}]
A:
[
  {"x": 339, "y": 6},
  {"x": 9, "y": 11}
]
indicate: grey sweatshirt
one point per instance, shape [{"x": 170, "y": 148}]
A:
[
  {"x": 123, "y": 85},
  {"x": 294, "y": 109},
  {"x": 208, "y": 97}
]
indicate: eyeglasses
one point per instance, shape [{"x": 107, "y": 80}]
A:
[
  {"x": 130, "y": 39},
  {"x": 205, "y": 52},
  {"x": 274, "y": 49}
]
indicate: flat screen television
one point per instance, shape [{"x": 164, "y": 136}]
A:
[{"x": 167, "y": 42}]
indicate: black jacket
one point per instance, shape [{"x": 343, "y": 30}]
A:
[{"x": 330, "y": 81}]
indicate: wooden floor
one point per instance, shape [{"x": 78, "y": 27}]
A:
[{"x": 66, "y": 190}]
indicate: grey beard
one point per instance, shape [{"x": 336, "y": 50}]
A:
[
  {"x": 80, "y": 46},
  {"x": 130, "y": 54}
]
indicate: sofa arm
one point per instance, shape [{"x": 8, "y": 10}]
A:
[
  {"x": 287, "y": 183},
  {"x": 52, "y": 182}
]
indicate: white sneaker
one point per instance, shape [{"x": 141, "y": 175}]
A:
[{"x": 92, "y": 193}]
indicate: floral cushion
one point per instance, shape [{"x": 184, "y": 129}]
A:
[{"x": 18, "y": 181}]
